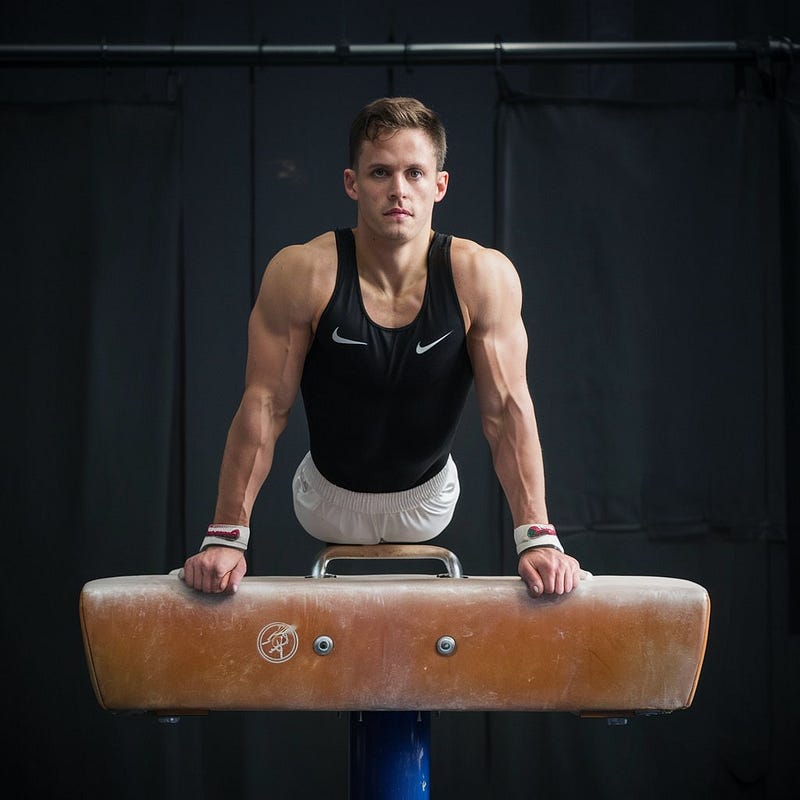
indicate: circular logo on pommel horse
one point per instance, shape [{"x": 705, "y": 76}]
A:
[{"x": 277, "y": 642}]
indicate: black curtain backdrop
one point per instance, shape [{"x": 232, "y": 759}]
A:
[
  {"x": 649, "y": 242},
  {"x": 655, "y": 247},
  {"x": 90, "y": 247}
]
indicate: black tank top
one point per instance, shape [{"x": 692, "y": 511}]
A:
[{"x": 383, "y": 404}]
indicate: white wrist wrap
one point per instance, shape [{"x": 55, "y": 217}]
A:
[
  {"x": 237, "y": 536},
  {"x": 536, "y": 535}
]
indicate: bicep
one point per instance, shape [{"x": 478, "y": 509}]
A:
[
  {"x": 498, "y": 345},
  {"x": 278, "y": 337}
]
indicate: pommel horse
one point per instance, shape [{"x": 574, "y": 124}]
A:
[{"x": 392, "y": 648}]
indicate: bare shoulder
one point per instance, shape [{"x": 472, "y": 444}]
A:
[
  {"x": 306, "y": 261},
  {"x": 300, "y": 277},
  {"x": 484, "y": 277}
]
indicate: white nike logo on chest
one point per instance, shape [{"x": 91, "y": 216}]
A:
[
  {"x": 342, "y": 340},
  {"x": 423, "y": 348}
]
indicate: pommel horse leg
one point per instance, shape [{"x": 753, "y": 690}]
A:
[
  {"x": 390, "y": 649},
  {"x": 390, "y": 755},
  {"x": 389, "y": 751}
]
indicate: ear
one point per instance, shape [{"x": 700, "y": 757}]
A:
[
  {"x": 350, "y": 184},
  {"x": 442, "y": 182}
]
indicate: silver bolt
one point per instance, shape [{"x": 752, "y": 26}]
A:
[
  {"x": 323, "y": 645},
  {"x": 446, "y": 645}
]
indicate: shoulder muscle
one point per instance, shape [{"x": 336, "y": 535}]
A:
[
  {"x": 487, "y": 283},
  {"x": 298, "y": 282}
]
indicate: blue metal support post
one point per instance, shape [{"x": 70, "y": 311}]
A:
[{"x": 390, "y": 755}]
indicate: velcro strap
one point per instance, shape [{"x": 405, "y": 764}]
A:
[
  {"x": 237, "y": 536},
  {"x": 536, "y": 535}
]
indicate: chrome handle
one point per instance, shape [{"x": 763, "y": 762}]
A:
[{"x": 378, "y": 551}]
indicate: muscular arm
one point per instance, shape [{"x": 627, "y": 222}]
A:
[
  {"x": 498, "y": 347},
  {"x": 279, "y": 333},
  {"x": 277, "y": 344}
]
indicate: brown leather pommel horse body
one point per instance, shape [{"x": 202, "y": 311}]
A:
[{"x": 615, "y": 646}]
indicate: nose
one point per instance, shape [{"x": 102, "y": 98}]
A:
[{"x": 397, "y": 186}]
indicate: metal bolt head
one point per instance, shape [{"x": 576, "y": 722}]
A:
[
  {"x": 323, "y": 645},
  {"x": 445, "y": 645}
]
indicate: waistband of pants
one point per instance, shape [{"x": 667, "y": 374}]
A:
[{"x": 375, "y": 502}]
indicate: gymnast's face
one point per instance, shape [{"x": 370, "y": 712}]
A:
[{"x": 396, "y": 184}]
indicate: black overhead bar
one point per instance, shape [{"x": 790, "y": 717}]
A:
[{"x": 408, "y": 54}]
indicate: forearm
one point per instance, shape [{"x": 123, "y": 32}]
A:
[
  {"x": 517, "y": 457},
  {"x": 247, "y": 459}
]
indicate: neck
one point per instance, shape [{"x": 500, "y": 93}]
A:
[{"x": 389, "y": 264}]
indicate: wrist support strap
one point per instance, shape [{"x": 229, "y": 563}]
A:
[
  {"x": 237, "y": 536},
  {"x": 536, "y": 535}
]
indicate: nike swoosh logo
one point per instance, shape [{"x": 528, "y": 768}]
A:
[
  {"x": 423, "y": 348},
  {"x": 341, "y": 339}
]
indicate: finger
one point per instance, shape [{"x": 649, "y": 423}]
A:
[
  {"x": 549, "y": 580},
  {"x": 237, "y": 573},
  {"x": 535, "y": 583},
  {"x": 210, "y": 582},
  {"x": 579, "y": 575},
  {"x": 531, "y": 577},
  {"x": 189, "y": 574}
]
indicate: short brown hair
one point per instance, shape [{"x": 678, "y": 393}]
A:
[{"x": 393, "y": 114}]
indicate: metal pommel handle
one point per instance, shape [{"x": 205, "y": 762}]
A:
[{"x": 377, "y": 551}]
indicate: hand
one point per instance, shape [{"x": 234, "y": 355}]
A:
[
  {"x": 216, "y": 569},
  {"x": 545, "y": 569}
]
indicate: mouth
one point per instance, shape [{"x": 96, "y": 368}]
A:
[{"x": 397, "y": 213}]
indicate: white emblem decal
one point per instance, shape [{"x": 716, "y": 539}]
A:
[
  {"x": 277, "y": 642},
  {"x": 341, "y": 340},
  {"x": 423, "y": 348}
]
